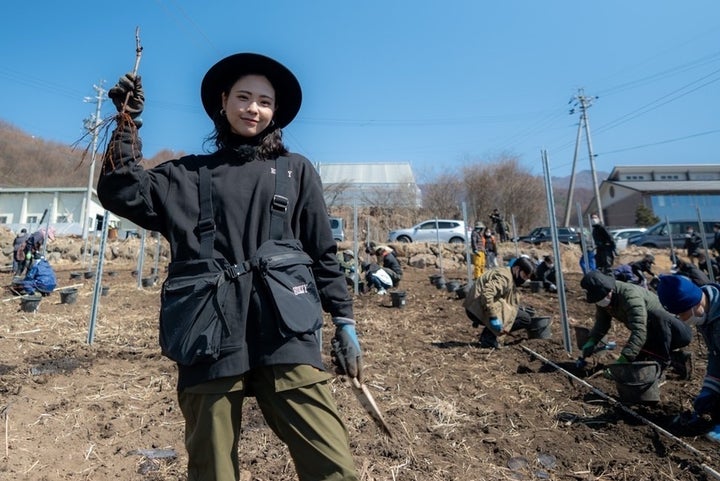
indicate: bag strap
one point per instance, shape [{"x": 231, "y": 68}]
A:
[
  {"x": 279, "y": 205},
  {"x": 206, "y": 225}
]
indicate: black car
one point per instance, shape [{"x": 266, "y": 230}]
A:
[{"x": 566, "y": 235}]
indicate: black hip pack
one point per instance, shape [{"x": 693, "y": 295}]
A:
[
  {"x": 193, "y": 324},
  {"x": 285, "y": 270}
]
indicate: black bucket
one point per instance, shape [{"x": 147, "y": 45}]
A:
[
  {"x": 637, "y": 382},
  {"x": 75, "y": 275},
  {"x": 434, "y": 278},
  {"x": 540, "y": 328},
  {"x": 452, "y": 286},
  {"x": 89, "y": 274},
  {"x": 461, "y": 292},
  {"x": 148, "y": 281},
  {"x": 535, "y": 286},
  {"x": 440, "y": 283},
  {"x": 104, "y": 290},
  {"x": 30, "y": 303},
  {"x": 68, "y": 296},
  {"x": 398, "y": 299}
]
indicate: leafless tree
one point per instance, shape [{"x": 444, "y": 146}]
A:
[
  {"x": 504, "y": 184},
  {"x": 444, "y": 196}
]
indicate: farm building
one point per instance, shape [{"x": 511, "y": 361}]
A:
[
  {"x": 23, "y": 207},
  {"x": 369, "y": 184}
]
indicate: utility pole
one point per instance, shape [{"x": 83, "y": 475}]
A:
[
  {"x": 583, "y": 103},
  {"x": 92, "y": 124},
  {"x": 571, "y": 188}
]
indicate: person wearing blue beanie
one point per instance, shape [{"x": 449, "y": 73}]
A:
[{"x": 699, "y": 307}]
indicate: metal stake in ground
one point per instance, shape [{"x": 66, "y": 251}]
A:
[
  {"x": 615, "y": 402},
  {"x": 106, "y": 218}
]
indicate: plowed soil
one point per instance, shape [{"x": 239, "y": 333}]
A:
[{"x": 74, "y": 410}]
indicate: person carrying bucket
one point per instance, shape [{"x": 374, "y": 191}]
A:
[
  {"x": 699, "y": 307},
  {"x": 655, "y": 334}
]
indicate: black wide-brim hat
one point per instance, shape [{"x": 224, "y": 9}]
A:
[{"x": 222, "y": 76}]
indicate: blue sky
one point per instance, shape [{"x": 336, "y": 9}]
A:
[{"x": 439, "y": 84}]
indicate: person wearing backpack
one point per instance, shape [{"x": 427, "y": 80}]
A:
[{"x": 263, "y": 352}]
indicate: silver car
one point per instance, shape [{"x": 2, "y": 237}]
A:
[{"x": 443, "y": 230}]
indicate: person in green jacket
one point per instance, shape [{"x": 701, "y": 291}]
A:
[{"x": 655, "y": 334}]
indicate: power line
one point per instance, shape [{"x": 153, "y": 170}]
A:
[{"x": 661, "y": 142}]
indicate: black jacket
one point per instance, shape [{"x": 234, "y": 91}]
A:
[
  {"x": 391, "y": 262},
  {"x": 165, "y": 199},
  {"x": 602, "y": 238}
]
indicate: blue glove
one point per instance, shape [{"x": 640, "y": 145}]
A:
[
  {"x": 705, "y": 401},
  {"x": 346, "y": 353},
  {"x": 496, "y": 324}
]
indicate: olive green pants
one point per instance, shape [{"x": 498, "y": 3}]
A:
[{"x": 304, "y": 417}]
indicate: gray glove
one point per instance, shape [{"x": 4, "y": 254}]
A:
[
  {"x": 346, "y": 353},
  {"x": 131, "y": 84}
]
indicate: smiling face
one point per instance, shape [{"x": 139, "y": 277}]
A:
[{"x": 250, "y": 105}]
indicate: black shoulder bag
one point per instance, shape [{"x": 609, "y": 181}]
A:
[
  {"x": 192, "y": 321},
  {"x": 285, "y": 268}
]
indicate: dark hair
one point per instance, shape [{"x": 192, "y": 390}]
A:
[
  {"x": 525, "y": 265},
  {"x": 269, "y": 142}
]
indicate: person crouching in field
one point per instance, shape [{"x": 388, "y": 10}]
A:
[{"x": 494, "y": 301}]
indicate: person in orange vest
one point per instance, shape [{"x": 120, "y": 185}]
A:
[{"x": 477, "y": 243}]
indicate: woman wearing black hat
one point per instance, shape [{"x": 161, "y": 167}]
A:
[{"x": 249, "y": 98}]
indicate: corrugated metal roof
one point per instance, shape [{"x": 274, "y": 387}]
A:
[
  {"x": 670, "y": 186},
  {"x": 368, "y": 173}
]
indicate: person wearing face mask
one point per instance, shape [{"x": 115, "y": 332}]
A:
[
  {"x": 699, "y": 307},
  {"x": 545, "y": 273},
  {"x": 494, "y": 301},
  {"x": 655, "y": 334},
  {"x": 604, "y": 245}
]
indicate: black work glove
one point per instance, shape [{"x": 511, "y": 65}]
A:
[
  {"x": 132, "y": 84},
  {"x": 346, "y": 353}
]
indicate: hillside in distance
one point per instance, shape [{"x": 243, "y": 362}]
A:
[{"x": 28, "y": 161}]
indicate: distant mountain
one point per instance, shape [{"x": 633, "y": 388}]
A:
[{"x": 583, "y": 180}]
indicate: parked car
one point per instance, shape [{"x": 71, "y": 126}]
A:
[
  {"x": 621, "y": 236},
  {"x": 566, "y": 235},
  {"x": 446, "y": 230},
  {"x": 659, "y": 235},
  {"x": 336, "y": 226}
]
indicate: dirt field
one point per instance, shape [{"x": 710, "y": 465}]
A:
[{"x": 70, "y": 410}]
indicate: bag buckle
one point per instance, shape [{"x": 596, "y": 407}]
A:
[
  {"x": 280, "y": 203},
  {"x": 206, "y": 225},
  {"x": 237, "y": 270}
]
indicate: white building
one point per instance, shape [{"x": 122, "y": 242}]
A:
[
  {"x": 23, "y": 207},
  {"x": 369, "y": 184}
]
